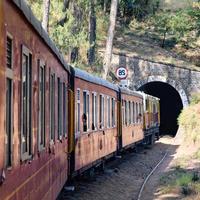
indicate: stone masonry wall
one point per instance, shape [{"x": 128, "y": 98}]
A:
[{"x": 185, "y": 81}]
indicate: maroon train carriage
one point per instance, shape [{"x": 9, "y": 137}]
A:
[
  {"x": 132, "y": 118},
  {"x": 95, "y": 132},
  {"x": 33, "y": 107}
]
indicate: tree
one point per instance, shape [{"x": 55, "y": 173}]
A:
[
  {"x": 45, "y": 19},
  {"x": 92, "y": 33},
  {"x": 110, "y": 37}
]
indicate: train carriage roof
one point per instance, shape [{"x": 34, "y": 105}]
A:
[
  {"x": 27, "y": 12},
  {"x": 130, "y": 92},
  {"x": 94, "y": 79}
]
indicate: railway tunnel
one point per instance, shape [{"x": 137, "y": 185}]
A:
[{"x": 170, "y": 105}]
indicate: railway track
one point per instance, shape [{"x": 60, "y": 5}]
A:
[
  {"x": 150, "y": 174},
  {"x": 123, "y": 178}
]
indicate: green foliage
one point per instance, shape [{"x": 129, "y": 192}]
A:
[
  {"x": 184, "y": 179},
  {"x": 186, "y": 182},
  {"x": 74, "y": 32},
  {"x": 138, "y": 9},
  {"x": 195, "y": 99},
  {"x": 189, "y": 120},
  {"x": 178, "y": 25}
]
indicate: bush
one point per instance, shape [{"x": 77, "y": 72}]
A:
[{"x": 189, "y": 120}]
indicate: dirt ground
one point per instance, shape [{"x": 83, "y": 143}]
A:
[
  {"x": 123, "y": 177},
  {"x": 153, "y": 191}
]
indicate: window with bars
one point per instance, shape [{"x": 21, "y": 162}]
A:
[
  {"x": 26, "y": 106},
  {"x": 9, "y": 53},
  {"x": 41, "y": 118}
]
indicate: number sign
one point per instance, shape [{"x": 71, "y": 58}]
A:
[{"x": 122, "y": 72}]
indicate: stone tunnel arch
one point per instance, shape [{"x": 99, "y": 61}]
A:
[{"x": 171, "y": 105}]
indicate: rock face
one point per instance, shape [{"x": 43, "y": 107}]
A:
[{"x": 141, "y": 72}]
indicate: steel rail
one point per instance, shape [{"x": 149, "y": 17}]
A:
[{"x": 147, "y": 178}]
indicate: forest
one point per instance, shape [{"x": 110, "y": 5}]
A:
[{"x": 86, "y": 31}]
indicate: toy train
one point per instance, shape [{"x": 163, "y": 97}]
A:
[{"x": 57, "y": 121}]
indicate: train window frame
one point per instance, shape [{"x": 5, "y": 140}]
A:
[
  {"x": 108, "y": 112},
  {"x": 26, "y": 155},
  {"x": 137, "y": 112},
  {"x": 123, "y": 111},
  {"x": 65, "y": 109},
  {"x": 141, "y": 113},
  {"x": 52, "y": 107},
  {"x": 78, "y": 111},
  {"x": 94, "y": 112},
  {"x": 59, "y": 107},
  {"x": 113, "y": 112},
  {"x": 126, "y": 112},
  {"x": 9, "y": 108},
  {"x": 129, "y": 110},
  {"x": 10, "y": 37},
  {"x": 101, "y": 111},
  {"x": 87, "y": 107},
  {"x": 133, "y": 111},
  {"x": 41, "y": 105}
]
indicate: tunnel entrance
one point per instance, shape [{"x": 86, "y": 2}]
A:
[{"x": 170, "y": 105}]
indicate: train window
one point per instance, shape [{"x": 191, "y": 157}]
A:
[
  {"x": 9, "y": 95},
  {"x": 65, "y": 106},
  {"x": 88, "y": 110},
  {"x": 9, "y": 51},
  {"x": 78, "y": 112},
  {"x": 52, "y": 107},
  {"x": 133, "y": 112},
  {"x": 94, "y": 111},
  {"x": 140, "y": 113},
  {"x": 9, "y": 102},
  {"x": 26, "y": 110},
  {"x": 101, "y": 111},
  {"x": 123, "y": 112},
  {"x": 113, "y": 112},
  {"x": 41, "y": 119},
  {"x": 85, "y": 117},
  {"x": 136, "y": 112},
  {"x": 108, "y": 112},
  {"x": 126, "y": 115},
  {"x": 130, "y": 118},
  {"x": 60, "y": 110},
  {"x": 147, "y": 105}
]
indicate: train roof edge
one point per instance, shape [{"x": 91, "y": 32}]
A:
[
  {"x": 94, "y": 79},
  {"x": 27, "y": 12},
  {"x": 130, "y": 92},
  {"x": 148, "y": 95}
]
